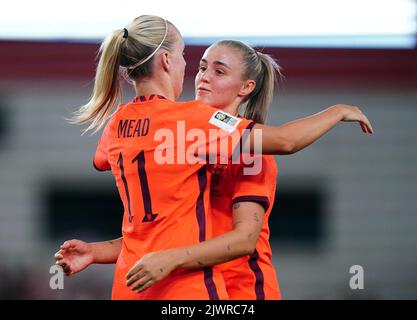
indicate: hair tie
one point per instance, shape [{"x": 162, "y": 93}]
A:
[{"x": 125, "y": 33}]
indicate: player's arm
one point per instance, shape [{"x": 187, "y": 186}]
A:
[
  {"x": 100, "y": 158},
  {"x": 240, "y": 241},
  {"x": 294, "y": 136},
  {"x": 76, "y": 255},
  {"x": 106, "y": 251}
]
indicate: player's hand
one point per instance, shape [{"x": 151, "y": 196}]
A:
[
  {"x": 150, "y": 269},
  {"x": 354, "y": 114},
  {"x": 74, "y": 256}
]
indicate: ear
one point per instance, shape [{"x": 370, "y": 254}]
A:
[
  {"x": 247, "y": 87},
  {"x": 165, "y": 61}
]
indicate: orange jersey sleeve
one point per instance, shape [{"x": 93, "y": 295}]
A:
[{"x": 258, "y": 188}]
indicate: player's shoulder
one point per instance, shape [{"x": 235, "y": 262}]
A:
[
  {"x": 112, "y": 122},
  {"x": 120, "y": 111},
  {"x": 270, "y": 163},
  {"x": 195, "y": 105}
]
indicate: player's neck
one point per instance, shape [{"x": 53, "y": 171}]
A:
[
  {"x": 232, "y": 108},
  {"x": 148, "y": 87}
]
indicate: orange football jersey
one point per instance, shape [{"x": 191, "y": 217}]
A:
[{"x": 154, "y": 148}]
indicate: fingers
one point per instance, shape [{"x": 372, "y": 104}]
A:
[
  {"x": 134, "y": 278},
  {"x": 65, "y": 245},
  {"x": 364, "y": 122},
  {"x": 138, "y": 279},
  {"x": 65, "y": 267},
  {"x": 68, "y": 244},
  {"x": 58, "y": 255},
  {"x": 143, "y": 284},
  {"x": 71, "y": 244},
  {"x": 59, "y": 260},
  {"x": 134, "y": 270},
  {"x": 146, "y": 286},
  {"x": 139, "y": 282},
  {"x": 369, "y": 127}
]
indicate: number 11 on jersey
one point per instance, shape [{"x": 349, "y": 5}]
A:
[{"x": 143, "y": 180}]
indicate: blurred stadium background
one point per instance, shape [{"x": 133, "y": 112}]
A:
[{"x": 349, "y": 199}]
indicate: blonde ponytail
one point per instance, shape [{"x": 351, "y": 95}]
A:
[
  {"x": 129, "y": 52},
  {"x": 260, "y": 99},
  {"x": 106, "y": 92}
]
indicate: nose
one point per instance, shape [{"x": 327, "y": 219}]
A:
[{"x": 204, "y": 76}]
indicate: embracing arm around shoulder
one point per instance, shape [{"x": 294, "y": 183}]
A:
[{"x": 294, "y": 136}]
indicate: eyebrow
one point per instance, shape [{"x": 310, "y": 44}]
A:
[{"x": 216, "y": 62}]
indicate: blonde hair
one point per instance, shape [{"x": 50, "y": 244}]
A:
[
  {"x": 261, "y": 68},
  {"x": 129, "y": 50}
]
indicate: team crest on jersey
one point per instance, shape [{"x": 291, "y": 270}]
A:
[
  {"x": 224, "y": 121},
  {"x": 221, "y": 116}
]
